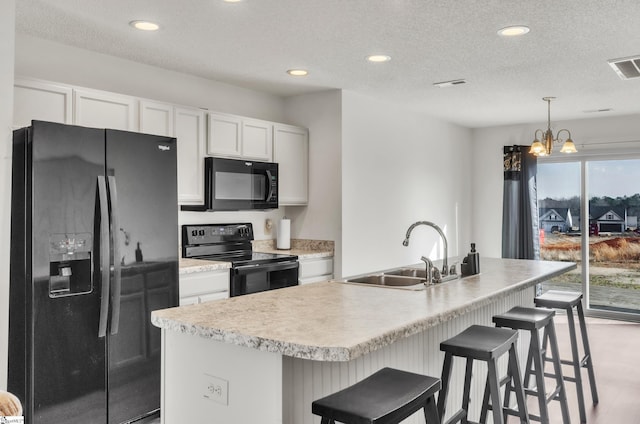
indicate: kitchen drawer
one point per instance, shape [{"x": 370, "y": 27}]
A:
[
  {"x": 315, "y": 267},
  {"x": 200, "y": 283}
]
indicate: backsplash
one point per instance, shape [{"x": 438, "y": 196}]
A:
[{"x": 296, "y": 244}]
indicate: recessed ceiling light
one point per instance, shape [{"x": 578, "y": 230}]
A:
[
  {"x": 513, "y": 31},
  {"x": 298, "y": 72},
  {"x": 144, "y": 25},
  {"x": 378, "y": 58}
]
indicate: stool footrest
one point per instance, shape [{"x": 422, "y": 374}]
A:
[
  {"x": 554, "y": 395},
  {"x": 457, "y": 417}
]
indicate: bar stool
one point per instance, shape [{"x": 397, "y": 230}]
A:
[
  {"x": 567, "y": 301},
  {"x": 486, "y": 344},
  {"x": 532, "y": 320},
  {"x": 385, "y": 397}
]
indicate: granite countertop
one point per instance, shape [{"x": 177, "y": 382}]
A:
[
  {"x": 303, "y": 249},
  {"x": 333, "y": 321},
  {"x": 189, "y": 266}
]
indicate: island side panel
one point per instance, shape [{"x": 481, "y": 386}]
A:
[
  {"x": 193, "y": 366},
  {"x": 306, "y": 380}
]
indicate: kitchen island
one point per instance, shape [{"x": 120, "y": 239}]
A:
[{"x": 265, "y": 357}]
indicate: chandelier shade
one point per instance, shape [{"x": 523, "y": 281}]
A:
[{"x": 543, "y": 141}]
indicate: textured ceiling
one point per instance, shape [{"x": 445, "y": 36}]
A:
[{"x": 253, "y": 43}]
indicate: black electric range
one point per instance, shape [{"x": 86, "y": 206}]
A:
[{"x": 251, "y": 271}]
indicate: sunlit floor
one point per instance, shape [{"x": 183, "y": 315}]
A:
[{"x": 614, "y": 347}]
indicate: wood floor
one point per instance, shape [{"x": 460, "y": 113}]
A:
[{"x": 615, "y": 348}]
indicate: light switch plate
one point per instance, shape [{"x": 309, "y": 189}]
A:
[{"x": 215, "y": 389}]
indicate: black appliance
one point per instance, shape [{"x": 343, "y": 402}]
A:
[
  {"x": 235, "y": 185},
  {"x": 93, "y": 252},
  {"x": 251, "y": 272}
]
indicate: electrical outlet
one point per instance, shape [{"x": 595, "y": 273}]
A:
[{"x": 215, "y": 389}]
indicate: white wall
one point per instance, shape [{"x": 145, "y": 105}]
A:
[
  {"x": 321, "y": 219},
  {"x": 600, "y": 134},
  {"x": 7, "y": 23},
  {"x": 399, "y": 167},
  {"x": 46, "y": 60}
]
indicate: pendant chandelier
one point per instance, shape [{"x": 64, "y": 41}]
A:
[{"x": 544, "y": 145}]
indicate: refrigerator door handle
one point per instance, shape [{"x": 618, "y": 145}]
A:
[
  {"x": 117, "y": 269},
  {"x": 104, "y": 256}
]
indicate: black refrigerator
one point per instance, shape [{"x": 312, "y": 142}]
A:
[{"x": 94, "y": 250}]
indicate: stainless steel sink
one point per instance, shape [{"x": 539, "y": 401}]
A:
[
  {"x": 408, "y": 272},
  {"x": 388, "y": 280}
]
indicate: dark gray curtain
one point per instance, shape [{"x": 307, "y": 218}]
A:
[{"x": 520, "y": 235}]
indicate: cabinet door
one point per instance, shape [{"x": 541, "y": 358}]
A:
[
  {"x": 257, "y": 139},
  {"x": 225, "y": 132},
  {"x": 291, "y": 152},
  {"x": 189, "y": 130},
  {"x": 156, "y": 118},
  {"x": 41, "y": 101},
  {"x": 100, "y": 109}
]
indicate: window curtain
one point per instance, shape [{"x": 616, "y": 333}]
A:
[{"x": 520, "y": 234}]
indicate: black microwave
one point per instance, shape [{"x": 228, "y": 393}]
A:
[{"x": 237, "y": 185}]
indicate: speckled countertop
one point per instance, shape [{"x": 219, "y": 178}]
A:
[
  {"x": 333, "y": 321},
  {"x": 189, "y": 266},
  {"x": 303, "y": 249}
]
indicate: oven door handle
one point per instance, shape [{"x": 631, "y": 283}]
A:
[{"x": 279, "y": 266}]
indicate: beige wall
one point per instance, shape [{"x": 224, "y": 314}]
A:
[{"x": 7, "y": 24}]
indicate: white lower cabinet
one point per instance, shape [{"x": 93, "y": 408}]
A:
[
  {"x": 199, "y": 287},
  {"x": 315, "y": 269}
]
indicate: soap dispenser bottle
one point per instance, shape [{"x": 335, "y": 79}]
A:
[{"x": 471, "y": 263}]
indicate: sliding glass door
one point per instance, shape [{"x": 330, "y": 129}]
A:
[{"x": 588, "y": 214}]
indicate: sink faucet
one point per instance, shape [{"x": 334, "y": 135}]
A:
[{"x": 445, "y": 262}]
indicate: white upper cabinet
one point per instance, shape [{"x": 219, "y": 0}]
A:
[
  {"x": 156, "y": 118},
  {"x": 101, "y": 109},
  {"x": 225, "y": 132},
  {"x": 190, "y": 133},
  {"x": 241, "y": 138},
  {"x": 41, "y": 101},
  {"x": 291, "y": 152},
  {"x": 257, "y": 139}
]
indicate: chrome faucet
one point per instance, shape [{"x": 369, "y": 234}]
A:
[{"x": 445, "y": 262}]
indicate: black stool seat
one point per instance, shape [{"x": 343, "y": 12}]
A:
[
  {"x": 480, "y": 342},
  {"x": 558, "y": 299},
  {"x": 521, "y": 318},
  {"x": 485, "y": 344},
  {"x": 386, "y": 397}
]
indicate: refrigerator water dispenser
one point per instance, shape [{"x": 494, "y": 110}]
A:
[{"x": 70, "y": 268}]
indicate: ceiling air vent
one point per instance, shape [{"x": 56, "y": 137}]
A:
[
  {"x": 626, "y": 67},
  {"x": 451, "y": 83}
]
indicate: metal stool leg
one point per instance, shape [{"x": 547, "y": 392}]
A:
[
  {"x": 576, "y": 364},
  {"x": 535, "y": 350},
  {"x": 446, "y": 374},
  {"x": 485, "y": 404},
  {"x": 557, "y": 368},
  {"x": 467, "y": 389},
  {"x": 587, "y": 353},
  {"x": 517, "y": 385},
  {"x": 494, "y": 389},
  {"x": 431, "y": 411}
]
